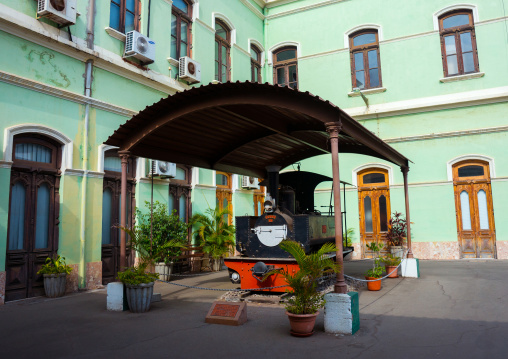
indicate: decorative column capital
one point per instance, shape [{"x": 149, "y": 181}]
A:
[
  {"x": 124, "y": 155},
  {"x": 333, "y": 129},
  {"x": 404, "y": 170}
]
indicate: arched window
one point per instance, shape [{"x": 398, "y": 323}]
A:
[
  {"x": 458, "y": 43},
  {"x": 285, "y": 67},
  {"x": 181, "y": 24},
  {"x": 124, "y": 15},
  {"x": 255, "y": 61},
  {"x": 365, "y": 62},
  {"x": 222, "y": 51}
]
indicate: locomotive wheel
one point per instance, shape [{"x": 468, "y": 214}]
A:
[{"x": 234, "y": 277}]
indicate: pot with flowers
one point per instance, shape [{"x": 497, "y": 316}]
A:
[
  {"x": 54, "y": 272},
  {"x": 396, "y": 235},
  {"x": 302, "y": 307},
  {"x": 391, "y": 265},
  {"x": 376, "y": 272}
]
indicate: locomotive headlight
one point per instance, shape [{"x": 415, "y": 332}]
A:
[{"x": 235, "y": 276}]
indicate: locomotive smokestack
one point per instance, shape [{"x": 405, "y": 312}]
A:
[{"x": 273, "y": 183}]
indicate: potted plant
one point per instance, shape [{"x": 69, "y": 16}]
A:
[
  {"x": 302, "y": 307},
  {"x": 347, "y": 240},
  {"x": 391, "y": 265},
  {"x": 377, "y": 270},
  {"x": 139, "y": 287},
  {"x": 54, "y": 272},
  {"x": 396, "y": 235},
  {"x": 216, "y": 236}
]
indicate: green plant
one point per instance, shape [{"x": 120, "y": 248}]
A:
[
  {"x": 397, "y": 230},
  {"x": 55, "y": 265},
  {"x": 347, "y": 237},
  {"x": 214, "y": 233},
  {"x": 137, "y": 275},
  {"x": 391, "y": 260},
  {"x": 170, "y": 233},
  {"x": 377, "y": 270},
  {"x": 306, "y": 298}
]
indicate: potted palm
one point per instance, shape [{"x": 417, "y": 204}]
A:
[
  {"x": 54, "y": 272},
  {"x": 139, "y": 287},
  {"x": 396, "y": 235},
  {"x": 216, "y": 236},
  {"x": 302, "y": 307},
  {"x": 376, "y": 272}
]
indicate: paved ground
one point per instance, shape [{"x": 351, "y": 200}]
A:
[{"x": 457, "y": 309}]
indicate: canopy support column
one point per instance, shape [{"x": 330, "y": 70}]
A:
[
  {"x": 405, "y": 170},
  {"x": 124, "y": 156},
  {"x": 333, "y": 129}
]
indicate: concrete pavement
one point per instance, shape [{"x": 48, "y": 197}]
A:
[{"x": 457, "y": 309}]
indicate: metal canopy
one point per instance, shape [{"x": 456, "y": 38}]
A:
[{"x": 244, "y": 127}]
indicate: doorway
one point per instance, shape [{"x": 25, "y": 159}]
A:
[
  {"x": 33, "y": 214},
  {"x": 374, "y": 206},
  {"x": 475, "y": 216}
]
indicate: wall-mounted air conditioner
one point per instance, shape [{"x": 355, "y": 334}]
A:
[
  {"x": 139, "y": 47},
  {"x": 189, "y": 70},
  {"x": 62, "y": 12},
  {"x": 162, "y": 169},
  {"x": 250, "y": 182}
]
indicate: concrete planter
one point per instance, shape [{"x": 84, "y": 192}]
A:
[
  {"x": 397, "y": 251},
  {"x": 139, "y": 297},
  {"x": 54, "y": 284},
  {"x": 164, "y": 270}
]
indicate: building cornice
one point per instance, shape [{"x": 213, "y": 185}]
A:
[
  {"x": 432, "y": 136},
  {"x": 253, "y": 9},
  {"x": 30, "y": 29},
  {"x": 64, "y": 94}
]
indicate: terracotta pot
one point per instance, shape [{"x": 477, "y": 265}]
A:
[
  {"x": 373, "y": 285},
  {"x": 390, "y": 269},
  {"x": 302, "y": 325}
]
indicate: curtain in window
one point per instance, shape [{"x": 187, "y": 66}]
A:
[
  {"x": 42, "y": 217},
  {"x": 383, "y": 216},
  {"x": 367, "y": 206},
  {"x": 482, "y": 209},
  {"x": 107, "y": 199},
  {"x": 32, "y": 152},
  {"x": 17, "y": 217},
  {"x": 181, "y": 208},
  {"x": 113, "y": 164},
  {"x": 171, "y": 203},
  {"x": 466, "y": 214}
]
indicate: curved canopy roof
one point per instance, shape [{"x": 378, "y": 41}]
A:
[{"x": 244, "y": 127}]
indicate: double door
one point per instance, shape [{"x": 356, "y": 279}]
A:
[
  {"x": 374, "y": 207},
  {"x": 32, "y": 232}
]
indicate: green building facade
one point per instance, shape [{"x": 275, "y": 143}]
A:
[{"x": 428, "y": 77}]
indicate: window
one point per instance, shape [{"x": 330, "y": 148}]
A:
[
  {"x": 458, "y": 43},
  {"x": 285, "y": 67},
  {"x": 224, "y": 193},
  {"x": 181, "y": 23},
  {"x": 124, "y": 15},
  {"x": 365, "y": 64},
  {"x": 180, "y": 193},
  {"x": 255, "y": 63},
  {"x": 222, "y": 50}
]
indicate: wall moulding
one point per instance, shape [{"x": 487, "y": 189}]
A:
[{"x": 431, "y": 136}]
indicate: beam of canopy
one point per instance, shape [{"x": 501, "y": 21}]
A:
[{"x": 244, "y": 127}]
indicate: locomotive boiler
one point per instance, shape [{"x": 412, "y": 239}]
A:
[{"x": 291, "y": 216}]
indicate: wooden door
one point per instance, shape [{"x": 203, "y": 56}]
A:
[
  {"x": 475, "y": 215},
  {"x": 32, "y": 234},
  {"x": 374, "y": 205}
]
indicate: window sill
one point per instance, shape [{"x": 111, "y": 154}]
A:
[
  {"x": 367, "y": 92},
  {"x": 173, "y": 61},
  {"x": 115, "y": 33},
  {"x": 462, "y": 77}
]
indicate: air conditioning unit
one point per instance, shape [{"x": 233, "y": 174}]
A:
[
  {"x": 62, "y": 12},
  {"x": 189, "y": 70},
  {"x": 139, "y": 47},
  {"x": 250, "y": 182},
  {"x": 162, "y": 169}
]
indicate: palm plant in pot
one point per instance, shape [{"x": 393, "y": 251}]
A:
[
  {"x": 302, "y": 307},
  {"x": 215, "y": 234},
  {"x": 396, "y": 235},
  {"x": 54, "y": 272},
  {"x": 377, "y": 270},
  {"x": 139, "y": 287}
]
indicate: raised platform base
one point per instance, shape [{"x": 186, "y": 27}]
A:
[
  {"x": 410, "y": 268},
  {"x": 116, "y": 297},
  {"x": 342, "y": 313}
]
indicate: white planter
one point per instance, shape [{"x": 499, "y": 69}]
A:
[
  {"x": 164, "y": 270},
  {"x": 397, "y": 251}
]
